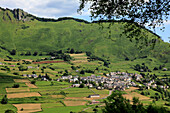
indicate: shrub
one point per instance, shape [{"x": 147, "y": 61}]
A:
[
  {"x": 33, "y": 82},
  {"x": 22, "y": 109},
  {"x": 16, "y": 73},
  {"x": 63, "y": 93},
  {"x": 9, "y": 111},
  {"x": 82, "y": 72},
  {"x": 15, "y": 86},
  {"x": 81, "y": 85},
  {"x": 4, "y": 100}
]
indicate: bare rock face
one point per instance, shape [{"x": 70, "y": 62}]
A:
[
  {"x": 16, "y": 14},
  {"x": 19, "y": 14}
]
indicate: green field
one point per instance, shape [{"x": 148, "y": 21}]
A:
[
  {"x": 43, "y": 37},
  {"x": 37, "y": 36}
]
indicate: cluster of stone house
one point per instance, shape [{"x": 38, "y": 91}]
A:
[
  {"x": 35, "y": 76},
  {"x": 152, "y": 84},
  {"x": 30, "y": 75},
  {"x": 113, "y": 80}
]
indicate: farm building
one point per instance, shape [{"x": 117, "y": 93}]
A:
[
  {"x": 75, "y": 85},
  {"x": 93, "y": 96}
]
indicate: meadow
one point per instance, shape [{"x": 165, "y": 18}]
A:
[{"x": 33, "y": 40}]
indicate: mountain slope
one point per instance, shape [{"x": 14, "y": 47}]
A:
[{"x": 23, "y": 32}]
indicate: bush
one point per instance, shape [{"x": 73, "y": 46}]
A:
[
  {"x": 15, "y": 86},
  {"x": 9, "y": 111},
  {"x": 16, "y": 73},
  {"x": 82, "y": 72},
  {"x": 33, "y": 82},
  {"x": 81, "y": 85},
  {"x": 73, "y": 67},
  {"x": 4, "y": 100},
  {"x": 22, "y": 109},
  {"x": 23, "y": 68},
  {"x": 63, "y": 93}
]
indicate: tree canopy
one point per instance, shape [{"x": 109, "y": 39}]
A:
[
  {"x": 143, "y": 13},
  {"x": 116, "y": 103}
]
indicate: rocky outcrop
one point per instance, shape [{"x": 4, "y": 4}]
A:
[
  {"x": 20, "y": 15},
  {"x": 17, "y": 14}
]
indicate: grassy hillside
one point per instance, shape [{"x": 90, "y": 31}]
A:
[{"x": 38, "y": 36}]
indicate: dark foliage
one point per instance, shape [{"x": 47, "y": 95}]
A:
[
  {"x": 4, "y": 100},
  {"x": 9, "y": 111},
  {"x": 33, "y": 82},
  {"x": 117, "y": 104},
  {"x": 13, "y": 52},
  {"x": 137, "y": 12},
  {"x": 15, "y": 86}
]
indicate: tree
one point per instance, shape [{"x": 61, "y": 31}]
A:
[
  {"x": 66, "y": 58},
  {"x": 47, "y": 76},
  {"x": 81, "y": 85},
  {"x": 33, "y": 82},
  {"x": 23, "y": 68},
  {"x": 33, "y": 72},
  {"x": 15, "y": 86},
  {"x": 13, "y": 52},
  {"x": 117, "y": 104},
  {"x": 4, "y": 100},
  {"x": 82, "y": 72},
  {"x": 63, "y": 93},
  {"x": 35, "y": 53},
  {"x": 28, "y": 53},
  {"x": 141, "y": 12},
  {"x": 73, "y": 67},
  {"x": 72, "y": 51}
]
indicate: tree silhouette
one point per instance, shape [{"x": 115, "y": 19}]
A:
[
  {"x": 136, "y": 13},
  {"x": 116, "y": 103}
]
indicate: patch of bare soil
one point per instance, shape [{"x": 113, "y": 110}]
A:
[
  {"x": 131, "y": 89},
  {"x": 77, "y": 54},
  {"x": 134, "y": 94},
  {"x": 31, "y": 85},
  {"x": 9, "y": 90},
  {"x": 47, "y": 62},
  {"x": 130, "y": 94},
  {"x": 79, "y": 61},
  {"x": 57, "y": 96},
  {"x": 75, "y": 103},
  {"x": 21, "y": 80},
  {"x": 22, "y": 95},
  {"x": 28, "y": 60},
  {"x": 28, "y": 108}
]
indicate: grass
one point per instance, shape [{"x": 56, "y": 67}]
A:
[
  {"x": 44, "y": 36},
  {"x": 78, "y": 92},
  {"x": 66, "y": 109},
  {"x": 5, "y": 107}
]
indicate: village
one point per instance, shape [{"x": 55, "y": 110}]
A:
[{"x": 79, "y": 82}]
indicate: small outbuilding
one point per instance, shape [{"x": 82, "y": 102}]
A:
[{"x": 94, "y": 96}]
